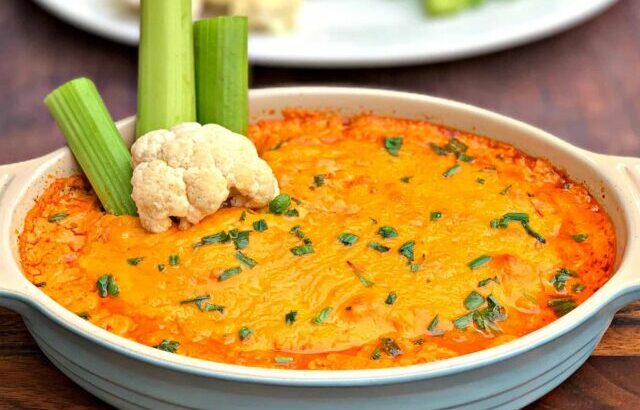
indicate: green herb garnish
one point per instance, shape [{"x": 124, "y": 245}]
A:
[
  {"x": 174, "y": 260},
  {"x": 260, "y": 225},
  {"x": 406, "y": 179},
  {"x": 220, "y": 237},
  {"x": 364, "y": 280},
  {"x": 302, "y": 249},
  {"x": 279, "y": 204},
  {"x": 506, "y": 190},
  {"x": 481, "y": 181},
  {"x": 414, "y": 267},
  {"x": 486, "y": 318},
  {"x": 393, "y": 145},
  {"x": 378, "y": 247},
  {"x": 432, "y": 329},
  {"x": 291, "y": 317},
  {"x": 292, "y": 213},
  {"x": 210, "y": 307},
  {"x": 318, "y": 180},
  {"x": 322, "y": 316},
  {"x": 559, "y": 280},
  {"x": 391, "y": 298},
  {"x": 107, "y": 286},
  {"x": 198, "y": 301},
  {"x": 283, "y": 360},
  {"x": 84, "y": 315},
  {"x": 243, "y": 216},
  {"x": 347, "y": 238},
  {"x": 485, "y": 282},
  {"x": 244, "y": 332},
  {"x": 387, "y": 232},
  {"x": 390, "y": 347},
  {"x": 473, "y": 301},
  {"x": 250, "y": 263},
  {"x": 229, "y": 273},
  {"x": 523, "y": 218},
  {"x": 435, "y": 216},
  {"x": 160, "y": 267},
  {"x": 463, "y": 321},
  {"x": 478, "y": 262},
  {"x": 578, "y": 287},
  {"x": 406, "y": 250},
  {"x": 297, "y": 231},
  {"x": 452, "y": 171},
  {"x": 134, "y": 261},
  {"x": 562, "y": 306},
  {"x": 57, "y": 217},
  {"x": 581, "y": 237},
  {"x": 376, "y": 354},
  {"x": 170, "y": 346},
  {"x": 240, "y": 238}
]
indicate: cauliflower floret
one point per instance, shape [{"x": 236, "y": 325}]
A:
[{"x": 191, "y": 170}]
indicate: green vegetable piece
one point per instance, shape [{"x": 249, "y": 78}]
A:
[
  {"x": 135, "y": 261},
  {"x": 260, "y": 225},
  {"x": 247, "y": 261},
  {"x": 280, "y": 204},
  {"x": 95, "y": 142},
  {"x": 174, "y": 260},
  {"x": 57, "y": 217},
  {"x": 581, "y": 237},
  {"x": 220, "y": 237},
  {"x": 222, "y": 72},
  {"x": 473, "y": 301},
  {"x": 292, "y": 213},
  {"x": 432, "y": 329},
  {"x": 318, "y": 180},
  {"x": 107, "y": 286},
  {"x": 391, "y": 298},
  {"x": 283, "y": 360},
  {"x": 506, "y": 190},
  {"x": 170, "y": 346},
  {"x": 166, "y": 75},
  {"x": 297, "y": 231},
  {"x": 562, "y": 306},
  {"x": 322, "y": 316},
  {"x": 435, "y": 216},
  {"x": 406, "y": 250},
  {"x": 578, "y": 288},
  {"x": 485, "y": 282},
  {"x": 387, "y": 232},
  {"x": 347, "y": 239},
  {"x": 390, "y": 347},
  {"x": 452, "y": 171},
  {"x": 229, "y": 273},
  {"x": 406, "y": 179},
  {"x": 291, "y": 317},
  {"x": 463, "y": 321},
  {"x": 240, "y": 238},
  {"x": 378, "y": 247},
  {"x": 199, "y": 301},
  {"x": 559, "y": 280},
  {"x": 393, "y": 145},
  {"x": 161, "y": 267},
  {"x": 244, "y": 333},
  {"x": 479, "y": 261},
  {"x": 302, "y": 249},
  {"x": 243, "y": 216},
  {"x": 376, "y": 354}
]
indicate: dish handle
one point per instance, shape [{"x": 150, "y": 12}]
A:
[
  {"x": 625, "y": 174},
  {"x": 14, "y": 292}
]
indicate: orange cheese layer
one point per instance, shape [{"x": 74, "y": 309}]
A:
[{"x": 346, "y": 314}]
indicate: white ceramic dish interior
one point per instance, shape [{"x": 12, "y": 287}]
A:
[
  {"x": 130, "y": 375},
  {"x": 359, "y": 33}
]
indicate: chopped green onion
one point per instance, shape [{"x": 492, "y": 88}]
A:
[
  {"x": 318, "y": 180},
  {"x": 406, "y": 179},
  {"x": 166, "y": 79},
  {"x": 302, "y": 249},
  {"x": 478, "y": 262},
  {"x": 279, "y": 204},
  {"x": 229, "y": 273},
  {"x": 170, "y": 346},
  {"x": 485, "y": 282},
  {"x": 473, "y": 301},
  {"x": 463, "y": 321},
  {"x": 452, "y": 171},
  {"x": 414, "y": 267},
  {"x": 160, "y": 267},
  {"x": 222, "y": 72},
  {"x": 432, "y": 329},
  {"x": 393, "y": 145},
  {"x": 378, "y": 247},
  {"x": 322, "y": 316},
  {"x": 107, "y": 286},
  {"x": 559, "y": 280},
  {"x": 95, "y": 142},
  {"x": 376, "y": 354},
  {"x": 347, "y": 239},
  {"x": 283, "y": 360},
  {"x": 406, "y": 250},
  {"x": 562, "y": 306},
  {"x": 198, "y": 300},
  {"x": 250, "y": 263},
  {"x": 243, "y": 216},
  {"x": 506, "y": 190},
  {"x": 84, "y": 315},
  {"x": 481, "y": 181},
  {"x": 240, "y": 238},
  {"x": 292, "y": 213},
  {"x": 219, "y": 237},
  {"x": 391, "y": 298},
  {"x": 390, "y": 347},
  {"x": 57, "y": 217},
  {"x": 210, "y": 307},
  {"x": 244, "y": 332},
  {"x": 581, "y": 237},
  {"x": 387, "y": 232},
  {"x": 291, "y": 317},
  {"x": 486, "y": 318},
  {"x": 135, "y": 261},
  {"x": 260, "y": 225},
  {"x": 174, "y": 260},
  {"x": 435, "y": 216},
  {"x": 578, "y": 287},
  {"x": 364, "y": 280},
  {"x": 297, "y": 231}
]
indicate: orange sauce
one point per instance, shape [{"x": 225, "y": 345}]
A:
[{"x": 359, "y": 303}]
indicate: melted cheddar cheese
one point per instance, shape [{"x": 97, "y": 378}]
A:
[{"x": 395, "y": 250}]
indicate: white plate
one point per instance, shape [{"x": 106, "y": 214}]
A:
[{"x": 357, "y": 33}]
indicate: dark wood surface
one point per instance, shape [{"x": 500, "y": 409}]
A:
[{"x": 582, "y": 85}]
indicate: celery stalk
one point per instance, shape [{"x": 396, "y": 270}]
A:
[
  {"x": 95, "y": 142},
  {"x": 166, "y": 84},
  {"x": 222, "y": 72}
]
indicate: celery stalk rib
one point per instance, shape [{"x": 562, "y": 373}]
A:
[
  {"x": 222, "y": 72},
  {"x": 86, "y": 124},
  {"x": 166, "y": 83}
]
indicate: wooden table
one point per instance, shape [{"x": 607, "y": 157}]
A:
[{"x": 583, "y": 85}]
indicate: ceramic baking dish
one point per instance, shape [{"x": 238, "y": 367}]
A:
[{"x": 130, "y": 375}]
